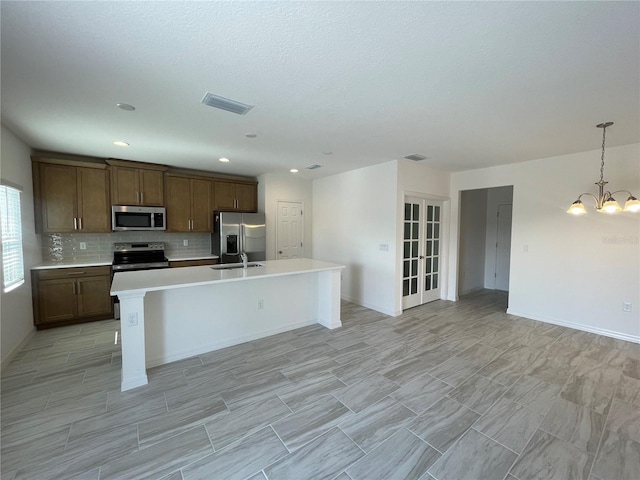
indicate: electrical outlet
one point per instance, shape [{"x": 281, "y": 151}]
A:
[
  {"x": 83, "y": 245},
  {"x": 525, "y": 248},
  {"x": 626, "y": 306},
  {"x": 260, "y": 304},
  {"x": 185, "y": 243},
  {"x": 133, "y": 319},
  {"x": 384, "y": 247}
]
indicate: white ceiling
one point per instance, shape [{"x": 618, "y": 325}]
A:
[{"x": 468, "y": 84}]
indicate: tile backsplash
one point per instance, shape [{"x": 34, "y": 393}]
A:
[{"x": 65, "y": 247}]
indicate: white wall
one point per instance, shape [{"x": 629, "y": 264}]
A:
[
  {"x": 273, "y": 187},
  {"x": 578, "y": 270},
  {"x": 353, "y": 213},
  {"x": 495, "y": 197},
  {"x": 473, "y": 236},
  {"x": 16, "y": 321}
]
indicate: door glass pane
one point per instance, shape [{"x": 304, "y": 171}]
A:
[
  {"x": 416, "y": 230},
  {"x": 416, "y": 211},
  {"x": 435, "y": 281},
  {"x": 436, "y": 215},
  {"x": 435, "y": 264},
  {"x": 429, "y": 213},
  {"x": 405, "y": 288},
  {"x": 405, "y": 269},
  {"x": 429, "y": 230},
  {"x": 407, "y": 250},
  {"x": 407, "y": 231},
  {"x": 407, "y": 211},
  {"x": 414, "y": 267},
  {"x": 414, "y": 286},
  {"x": 436, "y": 230},
  {"x": 429, "y": 242},
  {"x": 427, "y": 282},
  {"x": 428, "y": 265},
  {"x": 436, "y": 244},
  {"x": 414, "y": 249}
]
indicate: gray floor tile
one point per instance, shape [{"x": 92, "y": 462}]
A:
[
  {"x": 624, "y": 420},
  {"x": 581, "y": 390},
  {"x": 629, "y": 390},
  {"x": 325, "y": 457},
  {"x": 502, "y": 371},
  {"x": 310, "y": 368},
  {"x": 550, "y": 370},
  {"x": 366, "y": 392},
  {"x": 421, "y": 393},
  {"x": 161, "y": 458},
  {"x": 548, "y": 457},
  {"x": 254, "y": 371},
  {"x": 474, "y": 457},
  {"x": 358, "y": 369},
  {"x": 574, "y": 423},
  {"x": 317, "y": 351},
  {"x": 509, "y": 424},
  {"x": 478, "y": 393},
  {"x": 618, "y": 458},
  {"x": 479, "y": 354},
  {"x": 403, "y": 456},
  {"x": 246, "y": 394},
  {"x": 535, "y": 394},
  {"x": 309, "y": 390},
  {"x": 298, "y": 428},
  {"x": 405, "y": 371},
  {"x": 239, "y": 460},
  {"x": 227, "y": 427},
  {"x": 454, "y": 371},
  {"x": 443, "y": 423},
  {"x": 375, "y": 424},
  {"x": 33, "y": 449},
  {"x": 631, "y": 366}
]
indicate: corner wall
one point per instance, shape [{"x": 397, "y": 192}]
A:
[
  {"x": 16, "y": 320},
  {"x": 567, "y": 270},
  {"x": 473, "y": 236}
]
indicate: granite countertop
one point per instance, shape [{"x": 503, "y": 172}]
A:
[{"x": 169, "y": 278}]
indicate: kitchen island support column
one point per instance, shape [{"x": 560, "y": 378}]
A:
[{"x": 134, "y": 370}]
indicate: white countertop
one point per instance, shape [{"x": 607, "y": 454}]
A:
[
  {"x": 72, "y": 264},
  {"x": 165, "y": 279}
]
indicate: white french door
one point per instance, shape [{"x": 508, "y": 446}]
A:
[{"x": 421, "y": 251}]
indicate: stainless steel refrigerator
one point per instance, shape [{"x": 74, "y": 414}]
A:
[{"x": 234, "y": 233}]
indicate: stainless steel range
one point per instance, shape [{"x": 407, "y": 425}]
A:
[{"x": 138, "y": 256}]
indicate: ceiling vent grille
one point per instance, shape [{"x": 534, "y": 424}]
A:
[
  {"x": 313, "y": 166},
  {"x": 415, "y": 157},
  {"x": 222, "y": 103}
]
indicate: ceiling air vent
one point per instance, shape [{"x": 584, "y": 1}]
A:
[
  {"x": 415, "y": 157},
  {"x": 222, "y": 103},
  {"x": 313, "y": 166}
]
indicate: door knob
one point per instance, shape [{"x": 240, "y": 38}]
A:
[
  {"x": 421, "y": 257},
  {"x": 280, "y": 252}
]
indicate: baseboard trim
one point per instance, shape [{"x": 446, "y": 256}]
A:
[
  {"x": 154, "y": 362},
  {"x": 14, "y": 351},
  {"x": 576, "y": 326},
  {"x": 377, "y": 308}
]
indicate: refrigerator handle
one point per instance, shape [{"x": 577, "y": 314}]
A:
[{"x": 241, "y": 243}]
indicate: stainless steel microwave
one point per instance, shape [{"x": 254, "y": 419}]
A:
[{"x": 137, "y": 218}]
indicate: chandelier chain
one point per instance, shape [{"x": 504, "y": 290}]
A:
[{"x": 604, "y": 132}]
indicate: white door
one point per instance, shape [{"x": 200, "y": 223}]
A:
[
  {"x": 289, "y": 231},
  {"x": 503, "y": 247},
  {"x": 421, "y": 254}
]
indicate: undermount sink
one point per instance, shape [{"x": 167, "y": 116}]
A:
[{"x": 233, "y": 266}]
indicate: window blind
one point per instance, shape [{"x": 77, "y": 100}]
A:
[{"x": 11, "y": 224}]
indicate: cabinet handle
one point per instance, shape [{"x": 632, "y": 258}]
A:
[
  {"x": 75, "y": 223},
  {"x": 79, "y": 223},
  {"x": 79, "y": 288},
  {"x": 74, "y": 288},
  {"x": 138, "y": 197},
  {"x": 141, "y": 198},
  {"x": 235, "y": 203}
]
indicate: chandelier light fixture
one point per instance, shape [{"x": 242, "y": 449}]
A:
[{"x": 605, "y": 201}]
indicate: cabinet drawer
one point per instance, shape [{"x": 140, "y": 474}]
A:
[
  {"x": 193, "y": 263},
  {"x": 75, "y": 272}
]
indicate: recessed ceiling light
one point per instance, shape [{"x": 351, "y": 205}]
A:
[
  {"x": 125, "y": 106},
  {"x": 121, "y": 144},
  {"x": 328, "y": 153},
  {"x": 224, "y": 160},
  {"x": 294, "y": 170},
  {"x": 250, "y": 135},
  {"x": 313, "y": 166}
]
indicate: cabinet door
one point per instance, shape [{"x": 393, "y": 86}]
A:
[
  {"x": 201, "y": 211},
  {"x": 59, "y": 198},
  {"x": 124, "y": 186},
  {"x": 225, "y": 196},
  {"x": 178, "y": 204},
  {"x": 57, "y": 300},
  {"x": 151, "y": 188},
  {"x": 93, "y": 296},
  {"x": 93, "y": 200},
  {"x": 247, "y": 197}
]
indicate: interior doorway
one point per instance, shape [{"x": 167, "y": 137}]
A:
[
  {"x": 484, "y": 257},
  {"x": 289, "y": 230},
  {"x": 422, "y": 251}
]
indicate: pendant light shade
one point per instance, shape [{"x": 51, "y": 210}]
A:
[{"x": 577, "y": 208}]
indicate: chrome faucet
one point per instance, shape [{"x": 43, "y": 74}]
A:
[{"x": 244, "y": 258}]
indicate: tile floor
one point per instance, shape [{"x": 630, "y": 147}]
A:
[{"x": 446, "y": 391}]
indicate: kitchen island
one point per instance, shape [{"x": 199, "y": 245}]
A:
[{"x": 171, "y": 314}]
